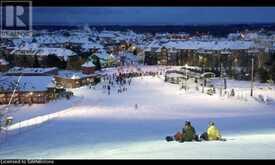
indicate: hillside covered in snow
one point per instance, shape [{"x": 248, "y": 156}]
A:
[{"x": 134, "y": 123}]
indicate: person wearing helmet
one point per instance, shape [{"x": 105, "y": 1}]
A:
[{"x": 213, "y": 133}]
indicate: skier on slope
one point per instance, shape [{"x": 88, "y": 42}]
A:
[{"x": 213, "y": 133}]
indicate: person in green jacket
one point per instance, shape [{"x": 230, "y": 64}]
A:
[{"x": 189, "y": 132}]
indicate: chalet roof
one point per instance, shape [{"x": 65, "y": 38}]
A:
[
  {"x": 30, "y": 70},
  {"x": 70, "y": 74},
  {"x": 26, "y": 83},
  {"x": 60, "y": 52},
  {"x": 43, "y": 51},
  {"x": 88, "y": 64}
]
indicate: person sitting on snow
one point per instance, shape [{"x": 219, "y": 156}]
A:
[
  {"x": 213, "y": 133},
  {"x": 189, "y": 132}
]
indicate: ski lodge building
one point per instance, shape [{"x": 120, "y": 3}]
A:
[
  {"x": 205, "y": 53},
  {"x": 29, "y": 90}
]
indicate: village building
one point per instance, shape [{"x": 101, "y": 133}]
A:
[
  {"x": 34, "y": 56},
  {"x": 75, "y": 79},
  {"x": 28, "y": 90},
  {"x": 234, "y": 55},
  {"x": 88, "y": 67}
]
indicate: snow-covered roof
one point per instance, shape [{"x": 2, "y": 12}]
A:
[
  {"x": 30, "y": 70},
  {"x": 107, "y": 34},
  {"x": 61, "y": 39},
  {"x": 60, "y": 52},
  {"x": 226, "y": 52},
  {"x": 19, "y": 51},
  {"x": 211, "y": 45},
  {"x": 204, "y": 45},
  {"x": 153, "y": 44},
  {"x": 234, "y": 35},
  {"x": 70, "y": 74},
  {"x": 91, "y": 45},
  {"x": 26, "y": 83},
  {"x": 251, "y": 36},
  {"x": 17, "y": 42},
  {"x": 88, "y": 64},
  {"x": 3, "y": 62},
  {"x": 27, "y": 46},
  {"x": 33, "y": 49}
]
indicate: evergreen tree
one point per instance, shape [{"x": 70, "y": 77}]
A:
[
  {"x": 263, "y": 75},
  {"x": 97, "y": 63}
]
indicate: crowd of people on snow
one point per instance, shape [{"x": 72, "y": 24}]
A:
[
  {"x": 122, "y": 79},
  {"x": 188, "y": 133},
  {"x": 116, "y": 80}
]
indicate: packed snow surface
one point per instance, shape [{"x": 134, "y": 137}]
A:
[{"x": 94, "y": 124}]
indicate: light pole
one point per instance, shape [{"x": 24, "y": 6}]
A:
[
  {"x": 224, "y": 81},
  {"x": 186, "y": 77},
  {"x": 221, "y": 79},
  {"x": 252, "y": 76},
  {"x": 203, "y": 78}
]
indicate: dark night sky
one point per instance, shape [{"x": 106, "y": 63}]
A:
[{"x": 152, "y": 15}]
